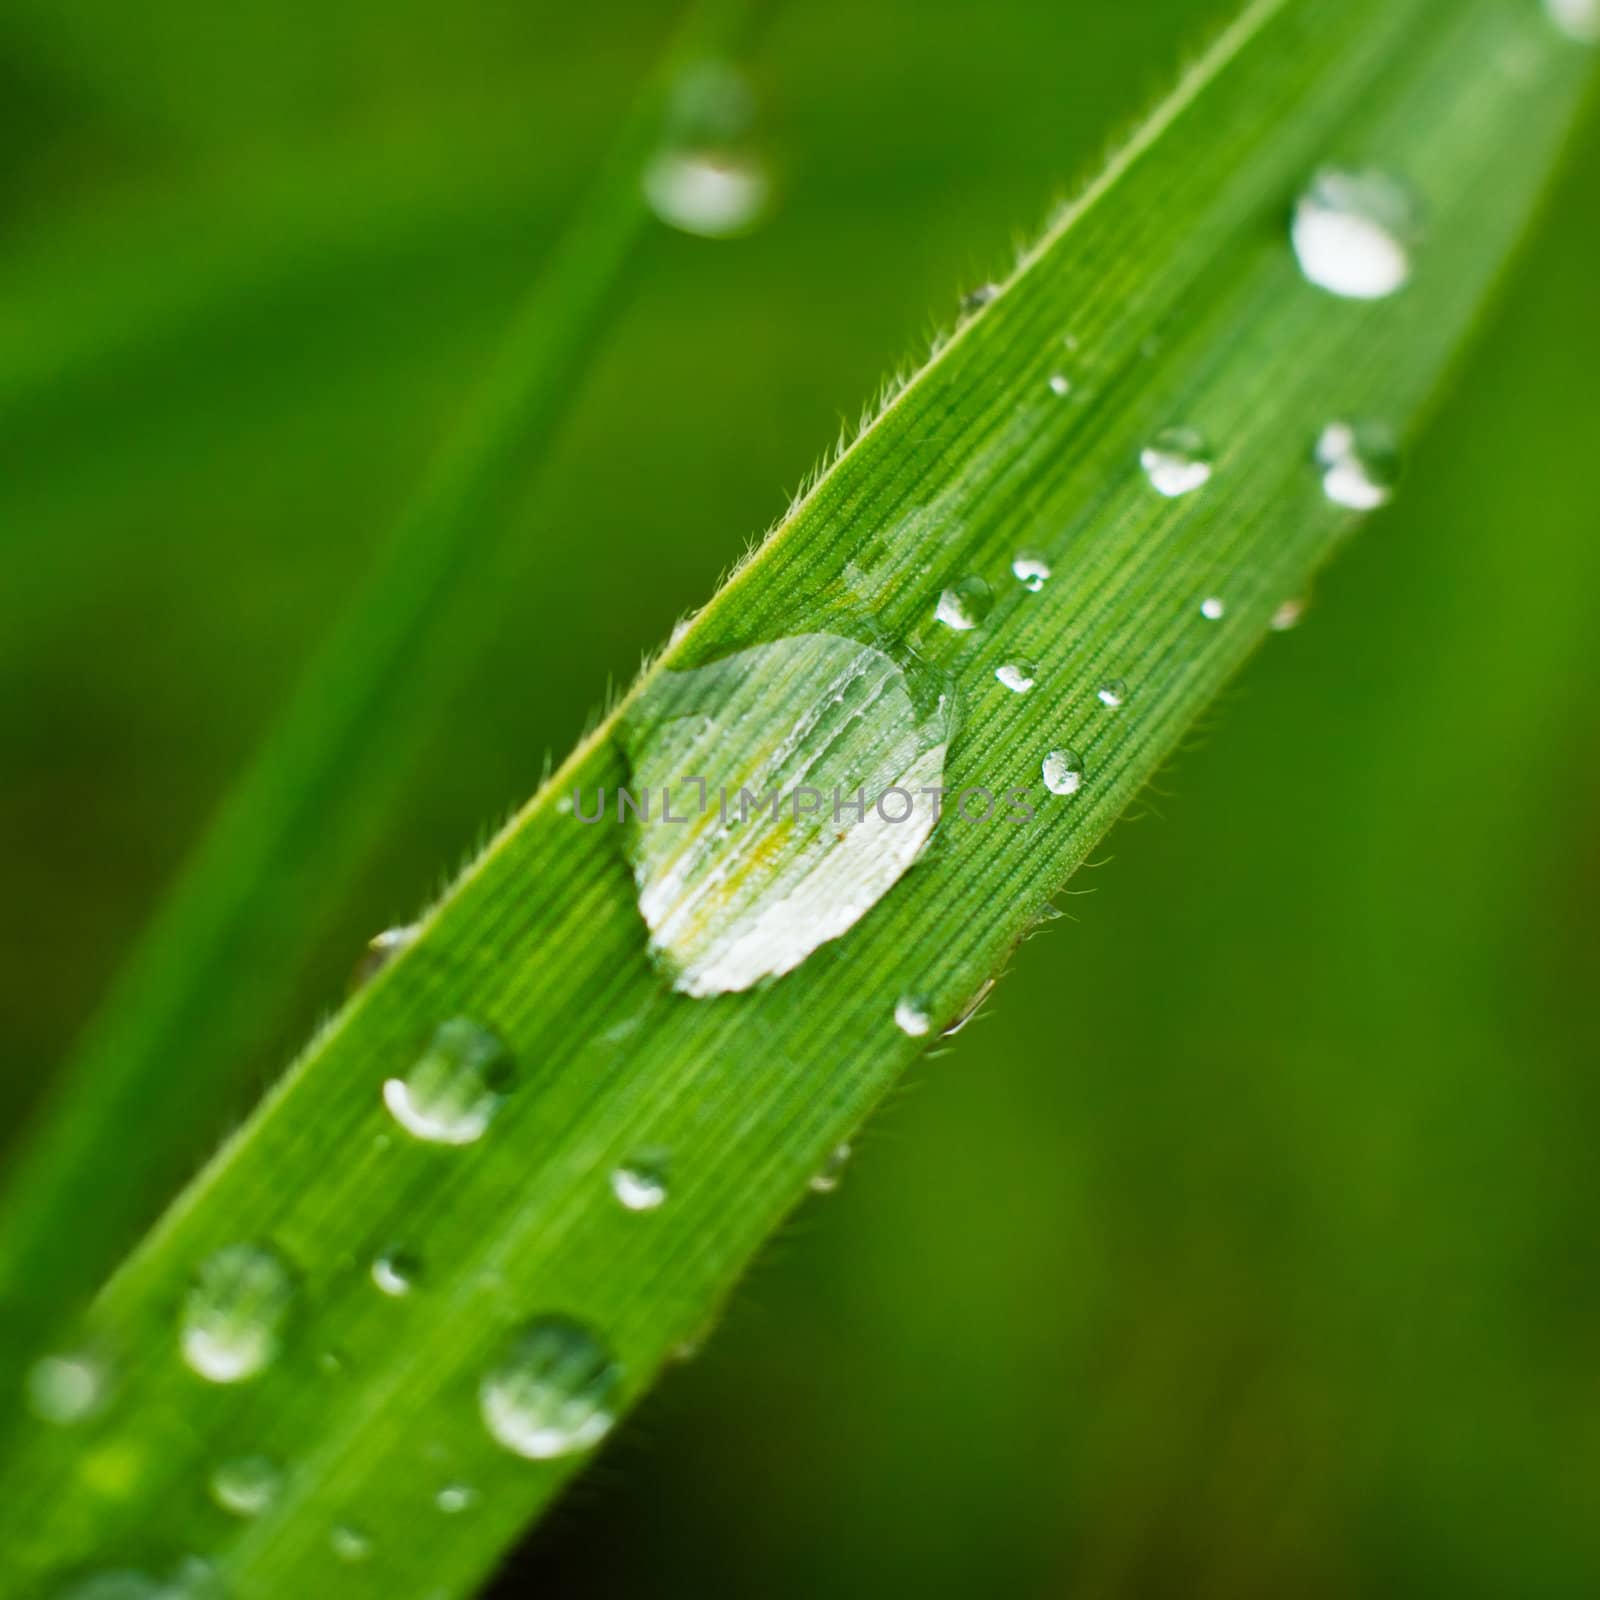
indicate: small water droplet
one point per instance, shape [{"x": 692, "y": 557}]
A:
[
  {"x": 383, "y": 950},
  {"x": 65, "y": 1389},
  {"x": 349, "y": 1544},
  {"x": 1578, "y": 19},
  {"x": 1031, "y": 570},
  {"x": 912, "y": 1015},
  {"x": 1288, "y": 615},
  {"x": 455, "y": 1498},
  {"x": 1213, "y": 608},
  {"x": 246, "y": 1486},
  {"x": 1112, "y": 693},
  {"x": 708, "y": 178},
  {"x": 396, "y": 1272},
  {"x": 1060, "y": 384},
  {"x": 451, "y": 1094},
  {"x": 965, "y": 604},
  {"x": 1063, "y": 772},
  {"x": 977, "y": 299},
  {"x": 827, "y": 1180},
  {"x": 1350, "y": 233},
  {"x": 553, "y": 1392},
  {"x": 1177, "y": 461},
  {"x": 1018, "y": 676},
  {"x": 232, "y": 1318},
  {"x": 640, "y": 1182},
  {"x": 1360, "y": 464}
]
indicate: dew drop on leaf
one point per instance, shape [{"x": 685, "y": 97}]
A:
[
  {"x": 246, "y": 1486},
  {"x": 395, "y": 1272},
  {"x": 827, "y": 1180},
  {"x": 66, "y": 1388},
  {"x": 1288, "y": 615},
  {"x": 1063, "y": 772},
  {"x": 976, "y": 299},
  {"x": 1112, "y": 694},
  {"x": 1350, "y": 233},
  {"x": 1060, "y": 384},
  {"x": 349, "y": 1544},
  {"x": 1177, "y": 461},
  {"x": 454, "y": 1498},
  {"x": 912, "y": 1015},
  {"x": 1360, "y": 465},
  {"x": 453, "y": 1090},
  {"x": 708, "y": 176},
  {"x": 383, "y": 949},
  {"x": 1213, "y": 608},
  {"x": 965, "y": 605},
  {"x": 1031, "y": 570},
  {"x": 640, "y": 1182},
  {"x": 232, "y": 1319},
  {"x": 1578, "y": 19},
  {"x": 1018, "y": 676},
  {"x": 553, "y": 1392}
]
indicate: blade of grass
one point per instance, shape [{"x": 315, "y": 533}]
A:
[
  {"x": 1166, "y": 295},
  {"x": 202, "y": 983}
]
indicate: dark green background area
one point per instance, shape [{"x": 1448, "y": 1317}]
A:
[{"x": 1246, "y": 1244}]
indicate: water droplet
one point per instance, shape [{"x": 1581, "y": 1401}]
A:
[
  {"x": 779, "y": 858},
  {"x": 965, "y": 604},
  {"x": 453, "y": 1092},
  {"x": 455, "y": 1498},
  {"x": 1177, "y": 461},
  {"x": 708, "y": 177},
  {"x": 1360, "y": 464},
  {"x": 349, "y": 1544},
  {"x": 1112, "y": 693},
  {"x": 1288, "y": 616},
  {"x": 977, "y": 299},
  {"x": 232, "y": 1319},
  {"x": 65, "y": 1389},
  {"x": 1063, "y": 772},
  {"x": 554, "y": 1391},
  {"x": 1060, "y": 384},
  {"x": 1213, "y": 608},
  {"x": 827, "y": 1180},
  {"x": 1018, "y": 676},
  {"x": 246, "y": 1486},
  {"x": 640, "y": 1183},
  {"x": 912, "y": 1015},
  {"x": 396, "y": 1272},
  {"x": 1350, "y": 233},
  {"x": 383, "y": 950},
  {"x": 1031, "y": 570},
  {"x": 1578, "y": 19}
]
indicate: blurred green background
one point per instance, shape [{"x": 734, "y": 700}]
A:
[{"x": 1247, "y": 1244}]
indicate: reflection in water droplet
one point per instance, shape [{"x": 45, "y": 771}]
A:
[
  {"x": 1213, "y": 608},
  {"x": 965, "y": 604},
  {"x": 395, "y": 1272},
  {"x": 912, "y": 1015},
  {"x": 455, "y": 1498},
  {"x": 1112, "y": 693},
  {"x": 778, "y": 858},
  {"x": 1578, "y": 19},
  {"x": 383, "y": 950},
  {"x": 232, "y": 1318},
  {"x": 1018, "y": 676},
  {"x": 1288, "y": 616},
  {"x": 640, "y": 1183},
  {"x": 1360, "y": 464},
  {"x": 1031, "y": 570},
  {"x": 452, "y": 1092},
  {"x": 827, "y": 1180},
  {"x": 1060, "y": 384},
  {"x": 1063, "y": 772},
  {"x": 1350, "y": 233},
  {"x": 246, "y": 1486},
  {"x": 349, "y": 1544},
  {"x": 553, "y": 1392},
  {"x": 1177, "y": 461},
  {"x": 65, "y": 1389}
]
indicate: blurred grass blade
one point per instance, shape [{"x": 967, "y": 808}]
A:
[
  {"x": 208, "y": 981},
  {"x": 567, "y": 1117}
]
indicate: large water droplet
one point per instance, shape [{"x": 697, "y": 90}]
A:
[
  {"x": 452, "y": 1092},
  {"x": 640, "y": 1182},
  {"x": 1063, "y": 772},
  {"x": 1031, "y": 570},
  {"x": 554, "y": 1391},
  {"x": 708, "y": 178},
  {"x": 1578, "y": 19},
  {"x": 66, "y": 1388},
  {"x": 1112, "y": 693},
  {"x": 246, "y": 1486},
  {"x": 1018, "y": 676},
  {"x": 827, "y": 1180},
  {"x": 1360, "y": 465},
  {"x": 232, "y": 1318},
  {"x": 912, "y": 1015},
  {"x": 1177, "y": 461},
  {"x": 1350, "y": 233},
  {"x": 965, "y": 604},
  {"x": 395, "y": 1272},
  {"x": 776, "y": 857}
]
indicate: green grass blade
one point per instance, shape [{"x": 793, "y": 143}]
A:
[
  {"x": 1166, "y": 296},
  {"x": 209, "y": 977}
]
